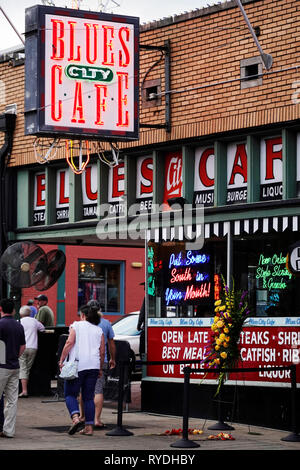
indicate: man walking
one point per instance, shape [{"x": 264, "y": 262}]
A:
[
  {"x": 13, "y": 336},
  {"x": 45, "y": 314}
]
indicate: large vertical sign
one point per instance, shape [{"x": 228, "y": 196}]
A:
[
  {"x": 116, "y": 190},
  {"x": 204, "y": 175},
  {"x": 173, "y": 175},
  {"x": 144, "y": 183},
  {"x": 62, "y": 195},
  {"x": 89, "y": 181},
  {"x": 81, "y": 74},
  {"x": 236, "y": 173},
  {"x": 271, "y": 169},
  {"x": 39, "y": 198}
]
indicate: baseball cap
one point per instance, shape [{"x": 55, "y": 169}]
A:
[{"x": 42, "y": 297}]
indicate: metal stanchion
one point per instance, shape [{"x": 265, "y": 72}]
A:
[
  {"x": 119, "y": 430},
  {"x": 220, "y": 425},
  {"x": 185, "y": 442},
  {"x": 294, "y": 435}
]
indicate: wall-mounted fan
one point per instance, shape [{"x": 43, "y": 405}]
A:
[
  {"x": 23, "y": 264},
  {"x": 56, "y": 262}
]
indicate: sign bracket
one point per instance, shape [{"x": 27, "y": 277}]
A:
[{"x": 166, "y": 51}]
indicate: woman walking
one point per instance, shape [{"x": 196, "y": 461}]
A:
[{"x": 85, "y": 343}]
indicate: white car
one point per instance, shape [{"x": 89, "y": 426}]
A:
[{"x": 125, "y": 329}]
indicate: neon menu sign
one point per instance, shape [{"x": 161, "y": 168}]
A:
[
  {"x": 272, "y": 272},
  {"x": 188, "y": 278},
  {"x": 87, "y": 64}
]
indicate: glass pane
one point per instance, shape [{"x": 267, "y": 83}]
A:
[
  {"x": 101, "y": 282},
  {"x": 260, "y": 268},
  {"x": 184, "y": 283}
]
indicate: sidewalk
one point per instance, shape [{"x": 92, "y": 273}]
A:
[{"x": 42, "y": 424}]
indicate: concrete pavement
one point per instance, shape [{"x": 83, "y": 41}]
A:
[{"x": 42, "y": 424}]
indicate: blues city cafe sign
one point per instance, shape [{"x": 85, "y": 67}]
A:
[{"x": 81, "y": 74}]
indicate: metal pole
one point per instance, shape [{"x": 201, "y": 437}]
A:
[
  {"x": 119, "y": 430},
  {"x": 11, "y": 24},
  {"x": 294, "y": 436},
  {"x": 266, "y": 58},
  {"x": 185, "y": 442},
  {"x": 229, "y": 256}
]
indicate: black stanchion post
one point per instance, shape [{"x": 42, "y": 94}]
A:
[
  {"x": 220, "y": 425},
  {"x": 185, "y": 442},
  {"x": 119, "y": 430},
  {"x": 293, "y": 436}
]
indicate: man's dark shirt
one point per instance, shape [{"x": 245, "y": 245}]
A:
[{"x": 12, "y": 333}]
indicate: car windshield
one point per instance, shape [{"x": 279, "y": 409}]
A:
[{"x": 127, "y": 326}]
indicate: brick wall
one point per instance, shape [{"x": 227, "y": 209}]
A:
[{"x": 206, "y": 49}]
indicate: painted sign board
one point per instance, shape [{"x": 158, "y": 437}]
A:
[
  {"x": 271, "y": 169},
  {"x": 275, "y": 343},
  {"x": 173, "y": 175},
  {"x": 144, "y": 183},
  {"x": 237, "y": 173},
  {"x": 204, "y": 174},
  {"x": 81, "y": 74}
]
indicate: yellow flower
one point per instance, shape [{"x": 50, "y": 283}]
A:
[
  {"x": 226, "y": 330},
  {"x": 222, "y": 308},
  {"x": 218, "y": 302},
  {"x": 220, "y": 324},
  {"x": 217, "y": 361},
  {"x": 217, "y": 347},
  {"x": 227, "y": 339},
  {"x": 218, "y": 341},
  {"x": 223, "y": 355},
  {"x": 225, "y": 345},
  {"x": 222, "y": 336},
  {"x": 216, "y": 319}
]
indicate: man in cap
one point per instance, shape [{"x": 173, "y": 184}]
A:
[{"x": 45, "y": 315}]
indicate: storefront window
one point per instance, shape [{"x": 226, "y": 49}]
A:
[
  {"x": 260, "y": 268},
  {"x": 184, "y": 282},
  {"x": 99, "y": 280}
]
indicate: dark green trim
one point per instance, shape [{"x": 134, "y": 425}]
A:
[
  {"x": 253, "y": 168},
  {"x": 289, "y": 164},
  {"x": 188, "y": 165},
  {"x": 60, "y": 302},
  {"x": 220, "y": 187}
]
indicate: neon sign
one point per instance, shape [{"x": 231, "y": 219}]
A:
[
  {"x": 86, "y": 64},
  {"x": 190, "y": 259},
  {"x": 192, "y": 292},
  {"x": 273, "y": 272},
  {"x": 189, "y": 277}
]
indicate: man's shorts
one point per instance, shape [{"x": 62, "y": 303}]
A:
[
  {"x": 101, "y": 380},
  {"x": 26, "y": 360}
]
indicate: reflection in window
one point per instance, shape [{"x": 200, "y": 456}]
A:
[{"x": 99, "y": 281}]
